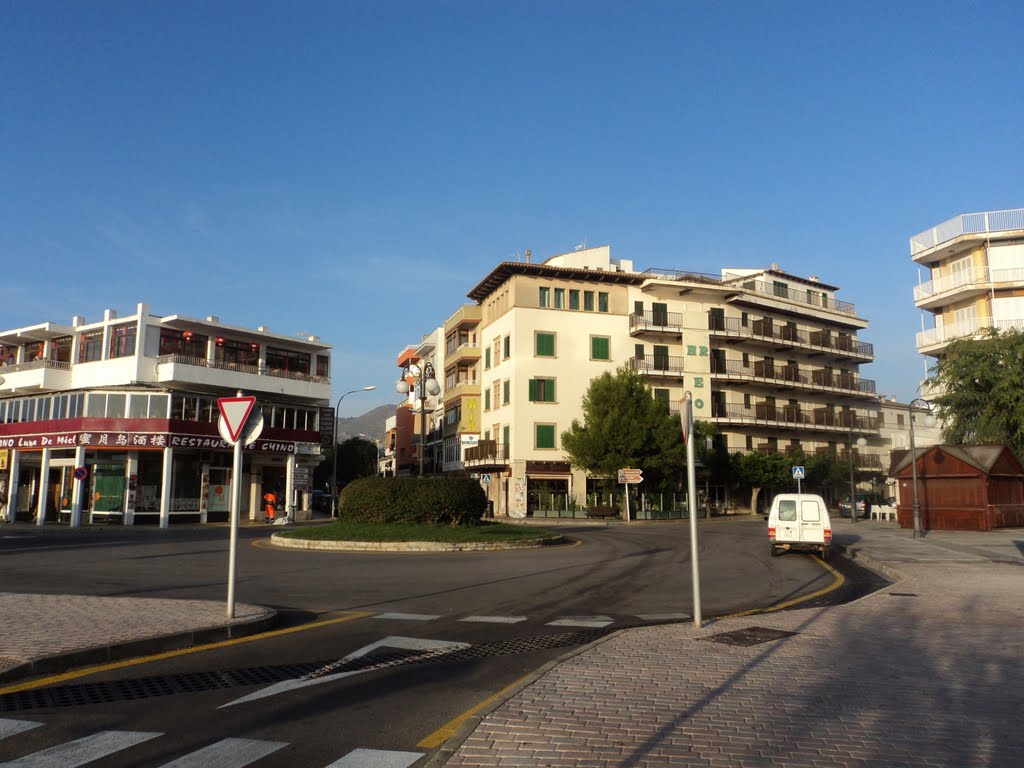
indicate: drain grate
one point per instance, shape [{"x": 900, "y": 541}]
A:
[
  {"x": 749, "y": 636},
  {"x": 84, "y": 694}
]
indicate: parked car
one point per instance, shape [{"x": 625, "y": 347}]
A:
[
  {"x": 320, "y": 501},
  {"x": 877, "y": 502}
]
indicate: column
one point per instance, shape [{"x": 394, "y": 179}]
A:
[
  {"x": 289, "y": 493},
  {"x": 78, "y": 489},
  {"x": 255, "y": 492},
  {"x": 132, "y": 469},
  {"x": 44, "y": 487},
  {"x": 12, "y": 484},
  {"x": 165, "y": 488}
]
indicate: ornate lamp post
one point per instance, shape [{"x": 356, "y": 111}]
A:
[
  {"x": 424, "y": 385},
  {"x": 861, "y": 442},
  {"x": 334, "y": 458},
  {"x": 929, "y": 421}
]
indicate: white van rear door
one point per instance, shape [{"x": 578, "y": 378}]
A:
[
  {"x": 787, "y": 527},
  {"x": 812, "y": 527}
]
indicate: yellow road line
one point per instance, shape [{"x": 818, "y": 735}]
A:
[
  {"x": 445, "y": 732},
  {"x": 86, "y": 671},
  {"x": 840, "y": 580}
]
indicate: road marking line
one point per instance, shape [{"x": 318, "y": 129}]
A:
[
  {"x": 840, "y": 580},
  {"x": 227, "y": 753},
  {"x": 582, "y": 621},
  {"x": 82, "y": 751},
  {"x": 663, "y": 616},
  {"x": 430, "y": 647},
  {"x": 12, "y": 727},
  {"x": 180, "y": 652},
  {"x": 406, "y": 616},
  {"x": 376, "y": 758},
  {"x": 446, "y": 731},
  {"x": 495, "y": 619}
]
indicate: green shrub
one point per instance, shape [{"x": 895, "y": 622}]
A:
[{"x": 431, "y": 500}]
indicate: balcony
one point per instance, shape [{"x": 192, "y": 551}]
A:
[
  {"x": 791, "y": 294},
  {"x": 794, "y": 417},
  {"x": 198, "y": 370},
  {"x": 964, "y": 284},
  {"x": 784, "y": 337},
  {"x": 964, "y": 225},
  {"x": 641, "y": 323},
  {"x": 933, "y": 340},
  {"x": 789, "y": 376},
  {"x": 467, "y": 352},
  {"x": 658, "y": 365},
  {"x": 462, "y": 389},
  {"x": 36, "y": 376},
  {"x": 486, "y": 453},
  {"x": 466, "y": 316}
]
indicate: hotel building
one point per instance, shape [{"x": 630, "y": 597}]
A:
[{"x": 116, "y": 420}]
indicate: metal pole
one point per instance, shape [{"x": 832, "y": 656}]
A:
[
  {"x": 423, "y": 417},
  {"x": 691, "y": 486},
  {"x": 853, "y": 490},
  {"x": 913, "y": 472},
  {"x": 236, "y": 492}
]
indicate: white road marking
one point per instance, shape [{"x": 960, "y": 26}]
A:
[
  {"x": 406, "y": 616},
  {"x": 430, "y": 647},
  {"x": 82, "y": 751},
  {"x": 227, "y": 753},
  {"x": 582, "y": 621},
  {"x": 495, "y": 619},
  {"x": 663, "y": 616},
  {"x": 11, "y": 727},
  {"x": 376, "y": 758}
]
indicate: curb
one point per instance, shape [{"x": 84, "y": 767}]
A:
[
  {"x": 853, "y": 554},
  {"x": 103, "y": 654},
  {"x": 287, "y": 542}
]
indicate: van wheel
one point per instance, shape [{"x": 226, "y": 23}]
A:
[{"x": 775, "y": 550}]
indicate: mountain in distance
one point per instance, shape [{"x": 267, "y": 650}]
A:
[{"x": 370, "y": 424}]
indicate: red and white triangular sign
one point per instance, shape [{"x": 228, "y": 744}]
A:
[{"x": 235, "y": 411}]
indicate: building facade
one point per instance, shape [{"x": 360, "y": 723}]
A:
[
  {"x": 117, "y": 420},
  {"x": 974, "y": 277}
]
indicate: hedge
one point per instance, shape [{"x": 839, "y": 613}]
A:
[{"x": 431, "y": 500}]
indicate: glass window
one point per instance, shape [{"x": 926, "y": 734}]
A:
[
  {"x": 809, "y": 511},
  {"x": 559, "y": 298},
  {"x": 122, "y": 341},
  {"x": 787, "y": 510},
  {"x": 90, "y": 347},
  {"x": 175, "y": 342},
  {"x": 574, "y": 299},
  {"x": 588, "y": 301},
  {"x": 542, "y": 390},
  {"x": 599, "y": 348},
  {"x": 544, "y": 436},
  {"x": 544, "y": 344},
  {"x": 544, "y": 297},
  {"x": 138, "y": 406},
  {"x": 60, "y": 349},
  {"x": 323, "y": 366},
  {"x": 158, "y": 406},
  {"x": 287, "y": 360},
  {"x": 497, "y": 393},
  {"x": 115, "y": 406},
  {"x": 602, "y": 302},
  {"x": 95, "y": 405}
]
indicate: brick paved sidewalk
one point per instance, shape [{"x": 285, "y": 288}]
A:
[{"x": 927, "y": 672}]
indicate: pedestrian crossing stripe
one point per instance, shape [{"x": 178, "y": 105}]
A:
[
  {"x": 227, "y": 753},
  {"x": 82, "y": 751},
  {"x": 407, "y": 616},
  {"x": 594, "y": 622}
]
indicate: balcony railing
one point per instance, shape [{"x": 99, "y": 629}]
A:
[
  {"x": 669, "y": 322},
  {"x": 965, "y": 329},
  {"x": 35, "y": 365},
  {"x": 969, "y": 278},
  {"x": 486, "y": 452},
  {"x": 255, "y": 370},
  {"x": 794, "y": 375},
  {"x": 786, "y": 335},
  {"x": 967, "y": 224},
  {"x": 794, "y": 415},
  {"x": 658, "y": 365}
]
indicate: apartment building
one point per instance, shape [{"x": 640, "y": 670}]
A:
[
  {"x": 116, "y": 420},
  {"x": 974, "y": 274},
  {"x": 772, "y": 359}
]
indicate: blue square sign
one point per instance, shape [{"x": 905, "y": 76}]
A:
[{"x": 798, "y": 473}]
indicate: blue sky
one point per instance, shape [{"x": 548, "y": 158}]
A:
[{"x": 352, "y": 170}]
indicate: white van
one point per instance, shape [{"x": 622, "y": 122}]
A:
[{"x": 799, "y": 521}]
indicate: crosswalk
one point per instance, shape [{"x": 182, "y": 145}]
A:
[
  {"x": 562, "y": 621},
  {"x": 226, "y": 753}
]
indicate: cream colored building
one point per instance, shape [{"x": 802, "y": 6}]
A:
[
  {"x": 973, "y": 279},
  {"x": 772, "y": 359}
]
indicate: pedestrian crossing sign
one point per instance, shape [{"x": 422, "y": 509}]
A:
[{"x": 798, "y": 473}]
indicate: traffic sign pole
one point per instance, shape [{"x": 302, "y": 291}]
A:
[
  {"x": 686, "y": 414},
  {"x": 234, "y": 413}
]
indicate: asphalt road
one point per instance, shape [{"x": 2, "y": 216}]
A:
[{"x": 492, "y": 618}]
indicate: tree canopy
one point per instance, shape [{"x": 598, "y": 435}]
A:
[
  {"x": 624, "y": 426},
  {"x": 981, "y": 381}
]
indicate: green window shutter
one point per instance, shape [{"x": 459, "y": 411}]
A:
[
  {"x": 599, "y": 348},
  {"x": 487, "y": 399},
  {"x": 545, "y": 436},
  {"x": 546, "y": 344},
  {"x": 533, "y": 390},
  {"x": 507, "y": 346},
  {"x": 487, "y": 357},
  {"x": 602, "y": 302},
  {"x": 588, "y": 301},
  {"x": 504, "y": 436},
  {"x": 506, "y": 390},
  {"x": 574, "y": 299},
  {"x": 550, "y": 391}
]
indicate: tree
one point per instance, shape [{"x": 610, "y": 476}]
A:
[
  {"x": 982, "y": 384},
  {"x": 756, "y": 470},
  {"x": 624, "y": 426}
]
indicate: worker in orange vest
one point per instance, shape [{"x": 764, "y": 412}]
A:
[{"x": 269, "y": 504}]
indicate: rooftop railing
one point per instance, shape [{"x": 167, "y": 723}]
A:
[
  {"x": 785, "y": 334},
  {"x": 967, "y": 278},
  {"x": 34, "y": 365},
  {"x": 967, "y": 224},
  {"x": 255, "y": 370},
  {"x": 964, "y": 329}
]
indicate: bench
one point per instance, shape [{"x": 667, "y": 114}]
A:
[{"x": 602, "y": 512}]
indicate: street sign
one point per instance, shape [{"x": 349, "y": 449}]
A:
[
  {"x": 233, "y": 412},
  {"x": 485, "y": 478},
  {"x": 81, "y": 473},
  {"x": 628, "y": 475},
  {"x": 798, "y": 473}
]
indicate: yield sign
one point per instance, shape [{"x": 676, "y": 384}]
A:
[{"x": 235, "y": 411}]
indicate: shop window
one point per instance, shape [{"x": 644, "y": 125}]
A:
[
  {"x": 544, "y": 344},
  {"x": 108, "y": 486},
  {"x": 122, "y": 341},
  {"x": 599, "y": 348},
  {"x": 544, "y": 436}
]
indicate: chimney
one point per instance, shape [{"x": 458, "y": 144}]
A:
[
  {"x": 527, "y": 255},
  {"x": 813, "y": 278},
  {"x": 212, "y": 319},
  {"x": 262, "y": 328},
  {"x": 775, "y": 267}
]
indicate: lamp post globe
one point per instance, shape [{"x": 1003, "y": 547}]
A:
[{"x": 424, "y": 385}]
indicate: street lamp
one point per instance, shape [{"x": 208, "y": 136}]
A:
[
  {"x": 861, "y": 442},
  {"x": 424, "y": 384},
  {"x": 334, "y": 457},
  {"x": 929, "y": 421}
]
